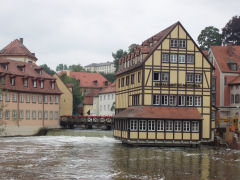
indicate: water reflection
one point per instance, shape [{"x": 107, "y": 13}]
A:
[{"x": 100, "y": 157}]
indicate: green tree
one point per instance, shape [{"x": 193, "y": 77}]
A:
[
  {"x": 209, "y": 36},
  {"x": 116, "y": 56},
  {"x": 61, "y": 67},
  {"x": 47, "y": 69},
  {"x": 76, "y": 68},
  {"x": 131, "y": 47},
  {"x": 231, "y": 31},
  {"x": 110, "y": 77},
  {"x": 77, "y": 97}
]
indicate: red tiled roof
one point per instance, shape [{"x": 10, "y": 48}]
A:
[
  {"x": 159, "y": 112},
  {"x": 16, "y": 48},
  {"x": 223, "y": 56},
  {"x": 88, "y": 79},
  {"x": 109, "y": 89},
  {"x": 29, "y": 73}
]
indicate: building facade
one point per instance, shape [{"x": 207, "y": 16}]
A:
[
  {"x": 66, "y": 98},
  {"x": 29, "y": 97},
  {"x": 163, "y": 92},
  {"x": 226, "y": 78},
  {"x": 106, "y": 68}
]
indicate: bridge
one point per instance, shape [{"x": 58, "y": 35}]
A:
[{"x": 71, "y": 121}]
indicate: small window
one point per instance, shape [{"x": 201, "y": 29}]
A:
[
  {"x": 160, "y": 125},
  {"x": 198, "y": 101},
  {"x": 56, "y": 99},
  {"x": 21, "y": 114},
  {"x": 169, "y": 125},
  {"x": 189, "y": 101},
  {"x": 173, "y": 58},
  {"x": 41, "y": 84},
  {"x": 133, "y": 125},
  {"x": 7, "y": 97},
  {"x": 3, "y": 80},
  {"x": 53, "y": 85},
  {"x": 7, "y": 114},
  {"x": 33, "y": 98},
  {"x": 39, "y": 114},
  {"x": 33, "y": 114},
  {"x": 182, "y": 43},
  {"x": 164, "y": 100},
  {"x": 39, "y": 99},
  {"x": 21, "y": 98},
  {"x": 139, "y": 77},
  {"x": 45, "y": 99},
  {"x": 195, "y": 126},
  {"x": 122, "y": 82},
  {"x": 190, "y": 78},
  {"x": 1, "y": 96},
  {"x": 181, "y": 58},
  {"x": 190, "y": 59},
  {"x": 164, "y": 76},
  {"x": 181, "y": 100},
  {"x": 132, "y": 79},
  {"x": 14, "y": 114},
  {"x": 156, "y": 76},
  {"x": 198, "y": 78},
  {"x": 173, "y": 43},
  {"x": 13, "y": 81},
  {"x": 186, "y": 126},
  {"x": 156, "y": 99},
  {"x": 51, "y": 115},
  {"x": 34, "y": 83},
  {"x": 45, "y": 115},
  {"x": 165, "y": 57},
  {"x": 25, "y": 82},
  {"x": 142, "y": 125},
  {"x": 1, "y": 113},
  {"x": 14, "y": 97},
  {"x": 127, "y": 81},
  {"x": 151, "y": 125},
  {"x": 27, "y": 114},
  {"x": 177, "y": 126},
  {"x": 172, "y": 100}
]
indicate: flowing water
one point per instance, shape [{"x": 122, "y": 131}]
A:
[{"x": 95, "y": 155}]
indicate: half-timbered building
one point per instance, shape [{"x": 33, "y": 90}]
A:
[{"x": 163, "y": 92}]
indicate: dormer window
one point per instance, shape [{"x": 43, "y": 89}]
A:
[
  {"x": 41, "y": 84},
  {"x": 39, "y": 71},
  {"x": 25, "y": 82},
  {"x": 34, "y": 83},
  {"x": 4, "y": 66},
  {"x": 53, "y": 85},
  {"x": 12, "y": 81},
  {"x": 106, "y": 83},
  {"x": 233, "y": 66},
  {"x": 95, "y": 82},
  {"x": 21, "y": 67}
]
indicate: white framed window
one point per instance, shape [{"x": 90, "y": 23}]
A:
[
  {"x": 181, "y": 100},
  {"x": 133, "y": 125},
  {"x": 14, "y": 114},
  {"x": 41, "y": 84},
  {"x": 156, "y": 76},
  {"x": 165, "y": 57},
  {"x": 1, "y": 113},
  {"x": 156, "y": 99},
  {"x": 164, "y": 99},
  {"x": 177, "y": 126},
  {"x": 142, "y": 125},
  {"x": 169, "y": 125},
  {"x": 189, "y": 101},
  {"x": 172, "y": 100},
  {"x": 173, "y": 43},
  {"x": 33, "y": 114},
  {"x": 46, "y": 99},
  {"x": 51, "y": 115},
  {"x": 21, "y": 97},
  {"x": 13, "y": 81},
  {"x": 33, "y": 98},
  {"x": 53, "y": 85},
  {"x": 39, "y": 114},
  {"x": 39, "y": 99},
  {"x": 151, "y": 125},
  {"x": 56, "y": 99},
  {"x": 186, "y": 126},
  {"x": 160, "y": 125},
  {"x": 27, "y": 98},
  {"x": 25, "y": 82},
  {"x": 56, "y": 115},
  {"x": 51, "y": 99},
  {"x": 182, "y": 43},
  {"x": 45, "y": 115},
  {"x": 21, "y": 114},
  {"x": 181, "y": 58},
  {"x": 190, "y": 78},
  {"x": 14, "y": 97},
  {"x": 198, "y": 78},
  {"x": 34, "y": 83},
  {"x": 27, "y": 114},
  {"x": 173, "y": 58},
  {"x": 190, "y": 59},
  {"x": 197, "y": 100},
  {"x": 1, "y": 97},
  {"x": 164, "y": 76},
  {"x": 7, "y": 114},
  {"x": 195, "y": 126},
  {"x": 7, "y": 96}
]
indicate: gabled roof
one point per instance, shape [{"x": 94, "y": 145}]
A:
[
  {"x": 159, "y": 112},
  {"x": 225, "y": 55},
  {"x": 109, "y": 89},
  {"x": 152, "y": 43},
  {"x": 17, "y": 48},
  {"x": 90, "y": 80},
  {"x": 30, "y": 69}
]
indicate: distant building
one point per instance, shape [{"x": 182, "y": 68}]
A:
[
  {"x": 106, "y": 68},
  {"x": 88, "y": 81},
  {"x": 88, "y": 103},
  {"x": 226, "y": 79},
  {"x": 106, "y": 99},
  {"x": 29, "y": 97},
  {"x": 66, "y": 98}
]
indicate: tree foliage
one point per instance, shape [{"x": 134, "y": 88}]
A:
[
  {"x": 47, "y": 69},
  {"x": 231, "y": 31},
  {"x": 209, "y": 36},
  {"x": 131, "y": 47},
  {"x": 119, "y": 54},
  {"x": 110, "y": 77},
  {"x": 76, "y": 68},
  {"x": 77, "y": 97},
  {"x": 61, "y": 67}
]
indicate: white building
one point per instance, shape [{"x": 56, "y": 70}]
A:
[{"x": 106, "y": 68}]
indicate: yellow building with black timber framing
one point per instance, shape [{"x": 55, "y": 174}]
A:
[{"x": 163, "y": 92}]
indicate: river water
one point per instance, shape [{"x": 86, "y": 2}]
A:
[{"x": 95, "y": 155}]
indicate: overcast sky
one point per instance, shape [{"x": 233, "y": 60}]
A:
[{"x": 87, "y": 31}]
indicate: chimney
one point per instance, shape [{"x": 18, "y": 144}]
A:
[
  {"x": 230, "y": 49},
  {"x": 21, "y": 40}
]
